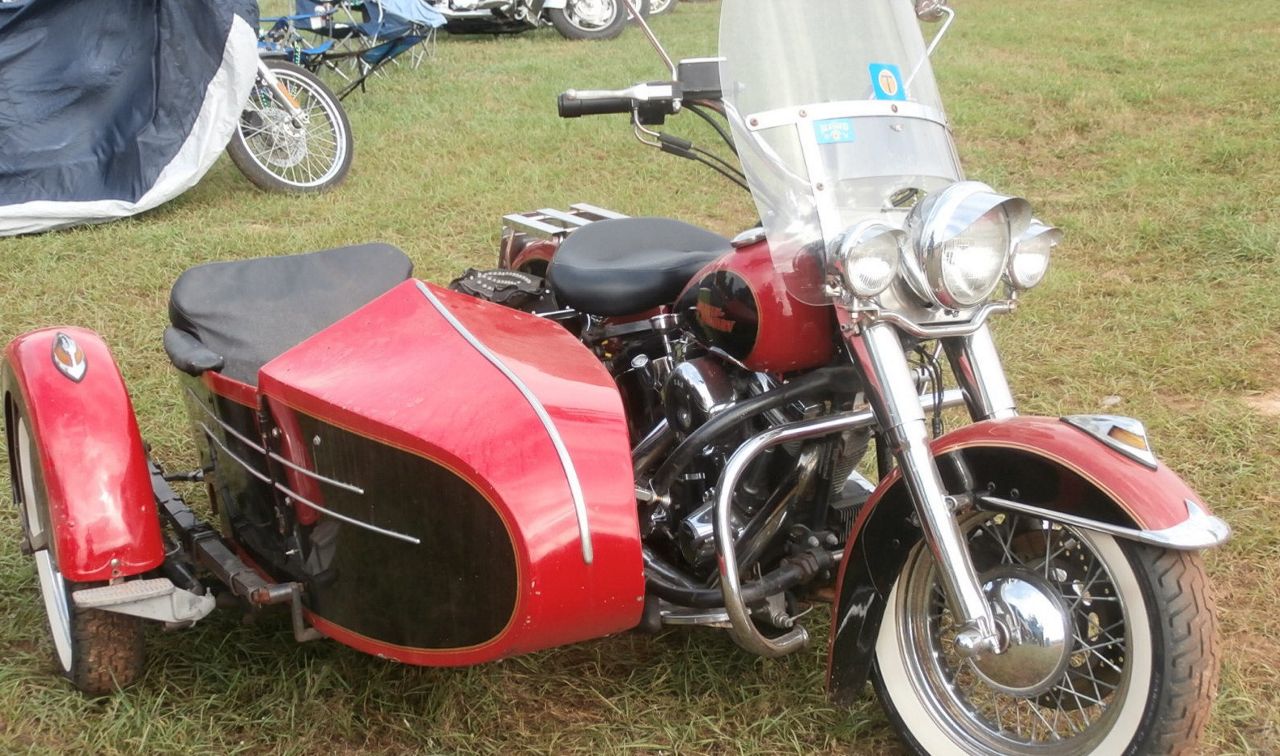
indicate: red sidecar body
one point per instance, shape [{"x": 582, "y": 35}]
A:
[{"x": 442, "y": 480}]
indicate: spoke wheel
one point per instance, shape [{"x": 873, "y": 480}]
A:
[
  {"x": 283, "y": 153},
  {"x": 1130, "y": 666},
  {"x": 659, "y": 7},
  {"x": 97, "y": 651}
]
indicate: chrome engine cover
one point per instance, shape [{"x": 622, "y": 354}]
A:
[{"x": 695, "y": 391}]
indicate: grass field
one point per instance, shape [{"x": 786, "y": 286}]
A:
[{"x": 1148, "y": 129}]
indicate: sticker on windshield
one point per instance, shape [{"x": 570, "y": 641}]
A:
[
  {"x": 886, "y": 79},
  {"x": 833, "y": 130}
]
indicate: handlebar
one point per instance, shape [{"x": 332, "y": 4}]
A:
[
  {"x": 655, "y": 99},
  {"x": 575, "y": 103}
]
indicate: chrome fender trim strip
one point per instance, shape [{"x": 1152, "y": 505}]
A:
[{"x": 1200, "y": 530}]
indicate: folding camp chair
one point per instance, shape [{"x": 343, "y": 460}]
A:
[{"x": 360, "y": 36}]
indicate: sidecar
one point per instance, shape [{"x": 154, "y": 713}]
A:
[{"x": 418, "y": 474}]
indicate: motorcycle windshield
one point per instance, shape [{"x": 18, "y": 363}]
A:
[{"x": 837, "y": 120}]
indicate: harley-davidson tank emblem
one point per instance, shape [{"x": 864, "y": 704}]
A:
[{"x": 68, "y": 357}]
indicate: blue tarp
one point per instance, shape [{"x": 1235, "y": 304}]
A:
[{"x": 107, "y": 109}]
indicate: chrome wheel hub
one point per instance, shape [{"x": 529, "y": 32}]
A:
[
  {"x": 591, "y": 14},
  {"x": 288, "y": 143},
  {"x": 1036, "y": 634}
]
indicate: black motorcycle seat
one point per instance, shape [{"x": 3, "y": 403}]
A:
[
  {"x": 629, "y": 265},
  {"x": 251, "y": 311}
]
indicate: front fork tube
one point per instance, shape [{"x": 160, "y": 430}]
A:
[
  {"x": 280, "y": 92},
  {"x": 978, "y": 369},
  {"x": 891, "y": 391}
]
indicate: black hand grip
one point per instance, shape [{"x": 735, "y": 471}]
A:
[{"x": 571, "y": 105}]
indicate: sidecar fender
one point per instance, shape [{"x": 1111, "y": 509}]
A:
[
  {"x": 1044, "y": 461},
  {"x": 87, "y": 453}
]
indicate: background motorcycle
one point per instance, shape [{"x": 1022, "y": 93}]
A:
[{"x": 574, "y": 19}]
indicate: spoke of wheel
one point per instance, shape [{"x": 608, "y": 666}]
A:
[
  {"x": 1081, "y": 645},
  {"x": 1081, "y": 697},
  {"x": 1006, "y": 546},
  {"x": 1045, "y": 529},
  {"x": 1036, "y": 710},
  {"x": 1050, "y": 557}
]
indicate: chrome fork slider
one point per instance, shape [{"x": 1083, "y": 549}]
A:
[{"x": 898, "y": 409}]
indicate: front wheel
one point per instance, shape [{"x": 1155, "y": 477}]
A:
[
  {"x": 592, "y": 19},
  {"x": 659, "y": 7},
  {"x": 281, "y": 150},
  {"x": 1112, "y": 647},
  {"x": 97, "y": 651}
]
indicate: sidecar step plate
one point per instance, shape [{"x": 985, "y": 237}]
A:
[{"x": 122, "y": 593}]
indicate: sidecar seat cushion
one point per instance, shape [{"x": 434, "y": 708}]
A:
[
  {"x": 629, "y": 265},
  {"x": 250, "y": 311}
]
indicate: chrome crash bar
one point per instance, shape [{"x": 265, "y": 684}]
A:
[{"x": 741, "y": 628}]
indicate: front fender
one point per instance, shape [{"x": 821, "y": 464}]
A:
[
  {"x": 87, "y": 455},
  {"x": 1041, "y": 461}
]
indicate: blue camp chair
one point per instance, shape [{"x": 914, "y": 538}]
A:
[{"x": 362, "y": 36}]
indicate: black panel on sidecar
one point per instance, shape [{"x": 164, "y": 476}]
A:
[
  {"x": 629, "y": 265},
  {"x": 250, "y": 311}
]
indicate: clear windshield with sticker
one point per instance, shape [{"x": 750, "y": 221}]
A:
[{"x": 837, "y": 120}]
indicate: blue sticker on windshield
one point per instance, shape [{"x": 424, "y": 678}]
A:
[
  {"x": 886, "y": 80},
  {"x": 834, "y": 130}
]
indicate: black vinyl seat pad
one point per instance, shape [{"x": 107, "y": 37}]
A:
[
  {"x": 251, "y": 311},
  {"x": 629, "y": 265}
]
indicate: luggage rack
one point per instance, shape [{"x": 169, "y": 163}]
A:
[{"x": 547, "y": 224}]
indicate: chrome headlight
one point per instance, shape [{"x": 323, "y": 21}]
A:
[
  {"x": 1030, "y": 258},
  {"x": 867, "y": 257},
  {"x": 962, "y": 237}
]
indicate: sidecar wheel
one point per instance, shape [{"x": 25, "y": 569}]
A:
[
  {"x": 97, "y": 651},
  {"x": 1134, "y": 669}
]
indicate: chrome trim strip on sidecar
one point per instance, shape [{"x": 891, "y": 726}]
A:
[
  {"x": 787, "y": 116},
  {"x": 316, "y": 476},
  {"x": 570, "y": 473},
  {"x": 237, "y": 434},
  {"x": 295, "y": 496},
  {"x": 262, "y": 450},
  {"x": 302, "y": 499},
  {"x": 1199, "y": 531}
]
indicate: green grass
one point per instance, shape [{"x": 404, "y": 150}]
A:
[{"x": 1148, "y": 129}]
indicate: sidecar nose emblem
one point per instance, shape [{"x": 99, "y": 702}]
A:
[{"x": 68, "y": 357}]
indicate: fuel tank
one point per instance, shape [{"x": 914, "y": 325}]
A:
[
  {"x": 742, "y": 306},
  {"x": 474, "y": 480}
]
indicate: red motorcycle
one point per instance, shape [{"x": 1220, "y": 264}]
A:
[{"x": 668, "y": 429}]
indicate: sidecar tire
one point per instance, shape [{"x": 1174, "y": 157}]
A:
[
  {"x": 1162, "y": 708},
  {"x": 661, "y": 7},
  {"x": 108, "y": 651},
  {"x": 569, "y": 29},
  {"x": 97, "y": 651}
]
